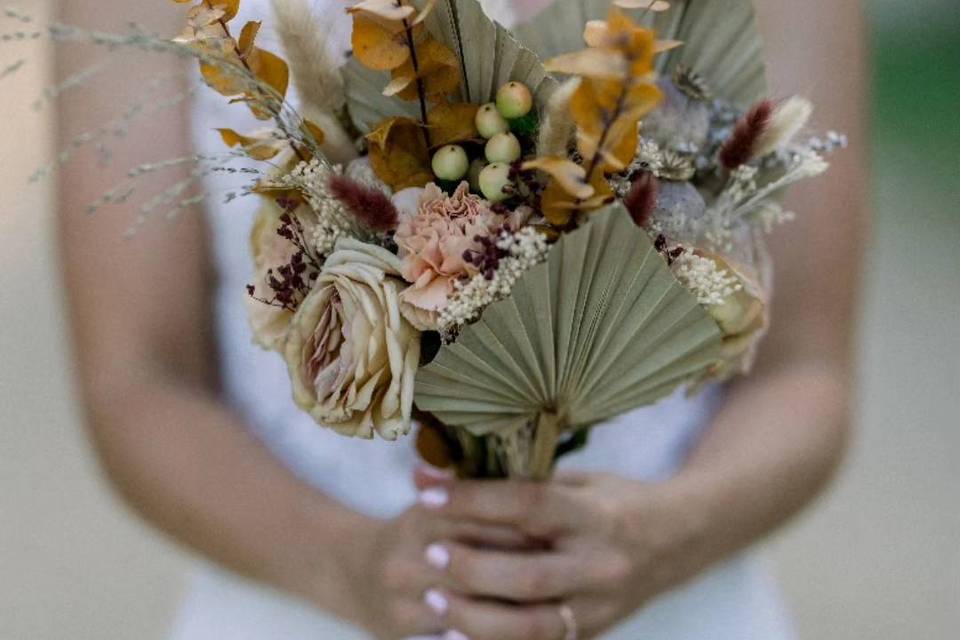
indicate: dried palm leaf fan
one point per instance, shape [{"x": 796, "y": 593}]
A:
[
  {"x": 489, "y": 58},
  {"x": 721, "y": 41},
  {"x": 602, "y": 327}
]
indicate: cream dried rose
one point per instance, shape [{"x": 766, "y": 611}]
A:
[{"x": 351, "y": 354}]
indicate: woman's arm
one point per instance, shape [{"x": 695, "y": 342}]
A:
[
  {"x": 176, "y": 453},
  {"x": 784, "y": 429},
  {"x": 145, "y": 350}
]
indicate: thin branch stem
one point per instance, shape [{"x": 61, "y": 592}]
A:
[{"x": 421, "y": 89}]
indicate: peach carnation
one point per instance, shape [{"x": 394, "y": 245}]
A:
[{"x": 432, "y": 245}]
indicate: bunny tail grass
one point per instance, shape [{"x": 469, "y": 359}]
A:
[
  {"x": 315, "y": 71},
  {"x": 558, "y": 127}
]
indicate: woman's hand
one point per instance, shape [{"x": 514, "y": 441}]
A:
[
  {"x": 392, "y": 569},
  {"x": 608, "y": 546}
]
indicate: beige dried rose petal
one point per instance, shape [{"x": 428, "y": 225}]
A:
[{"x": 351, "y": 353}]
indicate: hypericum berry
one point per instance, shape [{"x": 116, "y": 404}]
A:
[
  {"x": 495, "y": 182},
  {"x": 489, "y": 121},
  {"x": 450, "y": 162},
  {"x": 514, "y": 100},
  {"x": 503, "y": 147}
]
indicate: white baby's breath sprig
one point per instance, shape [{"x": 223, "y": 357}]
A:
[
  {"x": 332, "y": 220},
  {"x": 705, "y": 279},
  {"x": 524, "y": 250}
]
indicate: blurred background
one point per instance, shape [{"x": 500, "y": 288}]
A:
[{"x": 879, "y": 558}]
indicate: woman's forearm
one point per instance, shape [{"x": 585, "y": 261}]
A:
[
  {"x": 771, "y": 450},
  {"x": 186, "y": 463}
]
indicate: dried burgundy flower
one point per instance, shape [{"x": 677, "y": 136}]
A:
[
  {"x": 741, "y": 146},
  {"x": 369, "y": 205}
]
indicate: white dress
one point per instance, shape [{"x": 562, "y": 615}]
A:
[{"x": 736, "y": 601}]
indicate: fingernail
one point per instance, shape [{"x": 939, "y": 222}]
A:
[
  {"x": 434, "y": 497},
  {"x": 437, "y": 602},
  {"x": 438, "y": 557},
  {"x": 453, "y": 634}
]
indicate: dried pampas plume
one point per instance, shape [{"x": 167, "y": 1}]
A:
[
  {"x": 558, "y": 126},
  {"x": 316, "y": 73},
  {"x": 785, "y": 123}
]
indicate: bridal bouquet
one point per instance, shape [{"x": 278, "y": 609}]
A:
[{"x": 505, "y": 237}]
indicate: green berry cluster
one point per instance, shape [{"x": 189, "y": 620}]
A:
[{"x": 495, "y": 121}]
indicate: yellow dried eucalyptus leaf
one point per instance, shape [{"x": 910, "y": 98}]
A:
[
  {"x": 230, "y": 8},
  {"x": 259, "y": 146},
  {"x": 270, "y": 69},
  {"x": 399, "y": 154},
  {"x": 618, "y": 149},
  {"x": 451, "y": 123},
  {"x": 399, "y": 81},
  {"x": 591, "y": 63},
  {"x": 247, "y": 38},
  {"x": 203, "y": 27},
  {"x": 567, "y": 174},
  {"x": 438, "y": 70},
  {"x": 225, "y": 78},
  {"x": 315, "y": 132},
  {"x": 560, "y": 207},
  {"x": 377, "y": 47}
]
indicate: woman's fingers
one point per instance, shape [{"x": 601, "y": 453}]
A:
[
  {"x": 537, "y": 509},
  {"x": 410, "y": 618},
  {"x": 439, "y": 526},
  {"x": 516, "y": 577},
  {"x": 486, "y": 620}
]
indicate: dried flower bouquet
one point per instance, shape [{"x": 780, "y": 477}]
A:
[{"x": 501, "y": 236}]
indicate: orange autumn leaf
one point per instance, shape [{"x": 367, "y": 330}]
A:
[
  {"x": 227, "y": 78},
  {"x": 315, "y": 132},
  {"x": 591, "y": 102},
  {"x": 438, "y": 69},
  {"x": 376, "y": 46},
  {"x": 258, "y": 146},
  {"x": 399, "y": 154},
  {"x": 270, "y": 69},
  {"x": 592, "y": 63},
  {"x": 636, "y": 42},
  {"x": 566, "y": 174},
  {"x": 451, "y": 123},
  {"x": 618, "y": 149},
  {"x": 230, "y": 8},
  {"x": 247, "y": 37},
  {"x": 560, "y": 208},
  {"x": 203, "y": 28}
]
